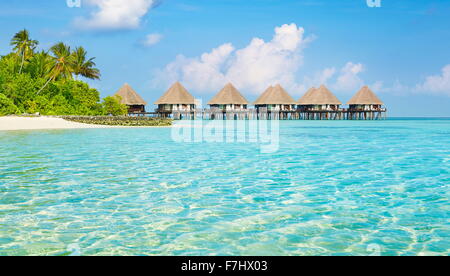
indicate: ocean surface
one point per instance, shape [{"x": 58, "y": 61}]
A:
[{"x": 329, "y": 188}]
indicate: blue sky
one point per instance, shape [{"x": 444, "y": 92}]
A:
[{"x": 400, "y": 49}]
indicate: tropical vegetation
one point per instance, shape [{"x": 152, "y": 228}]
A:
[{"x": 49, "y": 82}]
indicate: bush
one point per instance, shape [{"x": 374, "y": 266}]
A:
[
  {"x": 112, "y": 106},
  {"x": 7, "y": 106},
  {"x": 30, "y": 84}
]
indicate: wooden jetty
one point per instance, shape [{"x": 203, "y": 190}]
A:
[{"x": 274, "y": 104}]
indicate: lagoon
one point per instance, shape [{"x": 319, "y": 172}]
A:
[{"x": 331, "y": 188}]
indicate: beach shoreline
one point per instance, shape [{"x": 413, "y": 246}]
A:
[{"x": 14, "y": 123}]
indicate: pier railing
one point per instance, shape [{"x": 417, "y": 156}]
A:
[{"x": 266, "y": 114}]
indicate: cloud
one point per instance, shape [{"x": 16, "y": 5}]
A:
[
  {"x": 345, "y": 80},
  {"x": 349, "y": 79},
  {"x": 115, "y": 14},
  {"x": 262, "y": 63},
  {"x": 251, "y": 68},
  {"x": 322, "y": 77},
  {"x": 436, "y": 84},
  {"x": 152, "y": 39},
  {"x": 397, "y": 88}
]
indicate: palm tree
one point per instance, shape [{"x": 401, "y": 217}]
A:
[
  {"x": 23, "y": 45},
  {"x": 63, "y": 63},
  {"x": 83, "y": 66},
  {"x": 40, "y": 65}
]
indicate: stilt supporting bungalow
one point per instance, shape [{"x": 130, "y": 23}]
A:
[
  {"x": 129, "y": 97},
  {"x": 366, "y": 105},
  {"x": 177, "y": 102},
  {"x": 276, "y": 104},
  {"x": 228, "y": 104},
  {"x": 320, "y": 104}
]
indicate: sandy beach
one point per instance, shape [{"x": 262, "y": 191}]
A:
[{"x": 37, "y": 123}]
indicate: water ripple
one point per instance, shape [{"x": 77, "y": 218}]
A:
[{"x": 333, "y": 188}]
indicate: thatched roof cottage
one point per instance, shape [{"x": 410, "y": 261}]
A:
[
  {"x": 229, "y": 99},
  {"x": 365, "y": 100},
  {"x": 275, "y": 98},
  {"x": 132, "y": 99},
  {"x": 319, "y": 99},
  {"x": 177, "y": 98}
]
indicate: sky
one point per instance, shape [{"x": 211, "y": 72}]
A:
[{"x": 399, "y": 48}]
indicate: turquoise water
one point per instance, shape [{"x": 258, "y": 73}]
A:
[{"x": 332, "y": 188}]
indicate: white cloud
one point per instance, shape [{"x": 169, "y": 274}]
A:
[
  {"x": 152, "y": 39},
  {"x": 437, "y": 84},
  {"x": 262, "y": 63},
  {"x": 397, "y": 88},
  {"x": 114, "y": 14},
  {"x": 251, "y": 68},
  {"x": 317, "y": 79},
  {"x": 349, "y": 79}
]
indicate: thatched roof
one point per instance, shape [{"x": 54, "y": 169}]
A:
[
  {"x": 129, "y": 96},
  {"x": 176, "y": 94},
  {"x": 307, "y": 95},
  {"x": 275, "y": 95},
  {"x": 365, "y": 96},
  {"x": 320, "y": 96},
  {"x": 228, "y": 95}
]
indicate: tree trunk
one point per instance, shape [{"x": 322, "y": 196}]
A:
[
  {"x": 45, "y": 85},
  {"x": 23, "y": 60}
]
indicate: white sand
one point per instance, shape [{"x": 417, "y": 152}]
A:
[{"x": 35, "y": 123}]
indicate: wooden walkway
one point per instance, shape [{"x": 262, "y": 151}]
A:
[{"x": 253, "y": 114}]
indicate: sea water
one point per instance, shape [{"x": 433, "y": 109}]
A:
[{"x": 330, "y": 188}]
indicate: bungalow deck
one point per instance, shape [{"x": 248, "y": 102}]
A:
[{"x": 252, "y": 114}]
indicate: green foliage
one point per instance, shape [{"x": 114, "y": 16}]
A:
[
  {"x": 10, "y": 64},
  {"x": 23, "y": 46},
  {"x": 112, "y": 106},
  {"x": 84, "y": 66},
  {"x": 63, "y": 62},
  {"x": 7, "y": 106},
  {"x": 40, "y": 65},
  {"x": 32, "y": 82}
]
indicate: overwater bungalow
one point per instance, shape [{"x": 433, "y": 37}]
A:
[
  {"x": 319, "y": 104},
  {"x": 229, "y": 99},
  {"x": 365, "y": 105},
  {"x": 177, "y": 101},
  {"x": 229, "y": 102},
  {"x": 132, "y": 99},
  {"x": 319, "y": 99},
  {"x": 275, "y": 100},
  {"x": 303, "y": 100}
]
